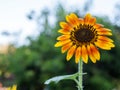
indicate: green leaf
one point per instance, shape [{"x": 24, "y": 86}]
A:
[{"x": 59, "y": 78}]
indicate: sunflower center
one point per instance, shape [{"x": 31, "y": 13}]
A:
[{"x": 83, "y": 35}]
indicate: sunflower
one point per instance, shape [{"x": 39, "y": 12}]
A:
[{"x": 83, "y": 37}]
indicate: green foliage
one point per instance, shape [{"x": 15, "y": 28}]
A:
[{"x": 97, "y": 85}]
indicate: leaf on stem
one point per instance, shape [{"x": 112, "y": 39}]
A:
[{"x": 59, "y": 78}]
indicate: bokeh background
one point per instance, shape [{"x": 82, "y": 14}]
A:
[{"x": 28, "y": 31}]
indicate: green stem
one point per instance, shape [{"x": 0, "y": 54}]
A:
[
  {"x": 77, "y": 82},
  {"x": 80, "y": 77}
]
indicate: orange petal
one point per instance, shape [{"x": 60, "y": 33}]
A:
[
  {"x": 77, "y": 54},
  {"x": 61, "y": 43},
  {"x": 104, "y": 38},
  {"x": 95, "y": 52},
  {"x": 87, "y": 18},
  {"x": 104, "y": 45},
  {"x": 64, "y": 31},
  {"x": 65, "y": 25},
  {"x": 72, "y": 19},
  {"x": 69, "y": 20},
  {"x": 84, "y": 54},
  {"x": 75, "y": 18},
  {"x": 103, "y": 31},
  {"x": 93, "y": 59},
  {"x": 81, "y": 21},
  {"x": 63, "y": 37},
  {"x": 97, "y": 26},
  {"x": 70, "y": 52},
  {"x": 92, "y": 21},
  {"x": 66, "y": 47}
]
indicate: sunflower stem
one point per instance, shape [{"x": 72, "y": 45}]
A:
[{"x": 80, "y": 77}]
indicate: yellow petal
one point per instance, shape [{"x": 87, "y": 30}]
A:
[
  {"x": 71, "y": 20},
  {"x": 104, "y": 38},
  {"x": 75, "y": 18},
  {"x": 77, "y": 54},
  {"x": 65, "y": 25},
  {"x": 61, "y": 43},
  {"x": 64, "y": 31},
  {"x": 84, "y": 54},
  {"x": 104, "y": 31},
  {"x": 63, "y": 37},
  {"x": 111, "y": 45},
  {"x": 93, "y": 59},
  {"x": 70, "y": 52},
  {"x": 66, "y": 47},
  {"x": 104, "y": 45},
  {"x": 95, "y": 52}
]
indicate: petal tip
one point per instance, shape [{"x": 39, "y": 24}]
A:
[
  {"x": 76, "y": 61},
  {"x": 88, "y": 15},
  {"x": 94, "y": 61},
  {"x": 63, "y": 51},
  {"x": 56, "y": 45},
  {"x": 67, "y": 58},
  {"x": 85, "y": 61}
]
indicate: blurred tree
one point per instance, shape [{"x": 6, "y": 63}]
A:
[{"x": 117, "y": 15}]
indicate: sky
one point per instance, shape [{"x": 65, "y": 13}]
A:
[{"x": 13, "y": 15}]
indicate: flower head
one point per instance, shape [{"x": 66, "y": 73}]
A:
[{"x": 82, "y": 37}]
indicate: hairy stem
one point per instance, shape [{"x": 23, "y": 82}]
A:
[{"x": 80, "y": 77}]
